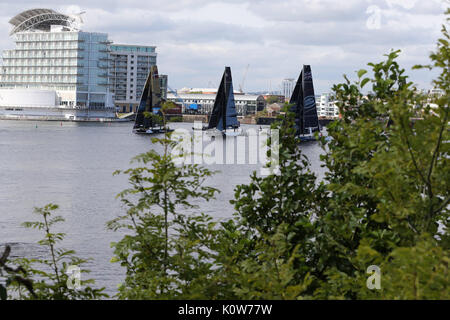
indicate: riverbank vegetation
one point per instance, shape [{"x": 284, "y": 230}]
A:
[{"x": 384, "y": 202}]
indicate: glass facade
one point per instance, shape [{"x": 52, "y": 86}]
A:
[{"x": 73, "y": 63}]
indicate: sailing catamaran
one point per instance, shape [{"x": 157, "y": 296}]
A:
[
  {"x": 304, "y": 106},
  {"x": 150, "y": 103},
  {"x": 223, "y": 115}
]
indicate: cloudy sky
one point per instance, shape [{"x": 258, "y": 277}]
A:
[{"x": 195, "y": 39}]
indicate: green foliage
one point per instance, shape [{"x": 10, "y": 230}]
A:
[
  {"x": 165, "y": 251},
  {"x": 384, "y": 201},
  {"x": 388, "y": 171},
  {"x": 272, "y": 99},
  {"x": 386, "y": 189},
  {"x": 14, "y": 276},
  {"x": 175, "y": 119},
  {"x": 419, "y": 272},
  {"x": 50, "y": 274},
  {"x": 383, "y": 198},
  {"x": 271, "y": 256},
  {"x": 267, "y": 202},
  {"x": 263, "y": 252}
]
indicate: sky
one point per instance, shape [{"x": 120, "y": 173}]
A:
[{"x": 196, "y": 39}]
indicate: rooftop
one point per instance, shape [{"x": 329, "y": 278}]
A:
[
  {"x": 200, "y": 96},
  {"x": 39, "y": 19}
]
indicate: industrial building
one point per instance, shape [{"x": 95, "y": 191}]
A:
[{"x": 196, "y": 103}]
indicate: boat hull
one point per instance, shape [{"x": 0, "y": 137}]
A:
[
  {"x": 227, "y": 132},
  {"x": 152, "y": 131},
  {"x": 308, "y": 138}
]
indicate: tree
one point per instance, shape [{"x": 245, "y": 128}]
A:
[
  {"x": 13, "y": 276},
  {"x": 263, "y": 252},
  {"x": 51, "y": 277},
  {"x": 381, "y": 203},
  {"x": 272, "y": 99},
  {"x": 388, "y": 174},
  {"x": 165, "y": 251}
]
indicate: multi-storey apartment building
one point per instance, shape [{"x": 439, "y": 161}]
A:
[
  {"x": 129, "y": 69},
  {"x": 326, "y": 106}
]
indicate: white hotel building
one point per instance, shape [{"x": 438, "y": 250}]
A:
[{"x": 55, "y": 71}]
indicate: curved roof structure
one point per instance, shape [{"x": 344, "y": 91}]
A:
[{"x": 39, "y": 19}]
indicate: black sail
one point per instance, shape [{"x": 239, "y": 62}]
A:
[
  {"x": 309, "y": 101},
  {"x": 297, "y": 102},
  {"x": 224, "y": 114},
  {"x": 150, "y": 101},
  {"x": 216, "y": 112},
  {"x": 304, "y": 103}
]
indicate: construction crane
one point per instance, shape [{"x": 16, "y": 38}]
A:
[
  {"x": 178, "y": 99},
  {"x": 211, "y": 84},
  {"x": 241, "y": 85}
]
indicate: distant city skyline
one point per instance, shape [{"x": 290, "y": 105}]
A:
[{"x": 195, "y": 39}]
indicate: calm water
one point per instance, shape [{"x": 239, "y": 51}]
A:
[{"x": 72, "y": 165}]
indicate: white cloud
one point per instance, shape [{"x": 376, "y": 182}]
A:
[{"x": 195, "y": 39}]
